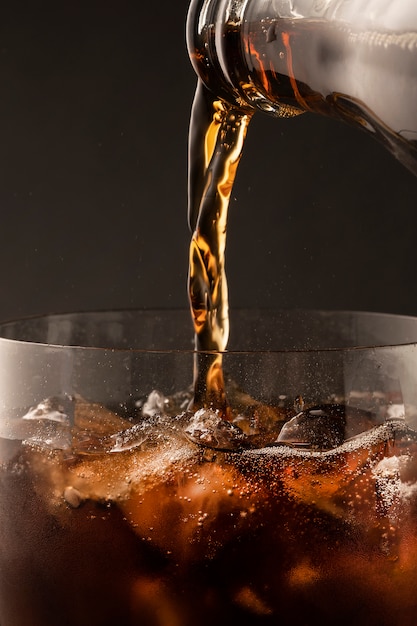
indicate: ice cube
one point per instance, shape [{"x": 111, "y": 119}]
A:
[
  {"x": 154, "y": 405},
  {"x": 131, "y": 438},
  {"x": 103, "y": 477},
  {"x": 326, "y": 426},
  {"x": 54, "y": 409},
  {"x": 207, "y": 428},
  {"x": 320, "y": 427},
  {"x": 153, "y": 429},
  {"x": 388, "y": 486},
  {"x": 47, "y": 424},
  {"x": 396, "y": 412}
]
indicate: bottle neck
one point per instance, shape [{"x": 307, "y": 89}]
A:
[{"x": 214, "y": 45}]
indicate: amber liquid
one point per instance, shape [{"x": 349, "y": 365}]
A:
[
  {"x": 217, "y": 136},
  {"x": 261, "y": 537}
]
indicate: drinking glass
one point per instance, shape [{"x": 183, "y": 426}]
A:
[{"x": 122, "y": 503}]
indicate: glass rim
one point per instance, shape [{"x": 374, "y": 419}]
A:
[{"x": 192, "y": 351}]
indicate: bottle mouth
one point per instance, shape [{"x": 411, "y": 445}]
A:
[{"x": 217, "y": 55}]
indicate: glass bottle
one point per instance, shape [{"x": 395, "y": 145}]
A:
[{"x": 355, "y": 60}]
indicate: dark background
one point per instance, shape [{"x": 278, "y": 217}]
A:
[{"x": 94, "y": 107}]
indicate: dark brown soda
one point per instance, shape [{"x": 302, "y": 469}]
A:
[{"x": 257, "y": 537}]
